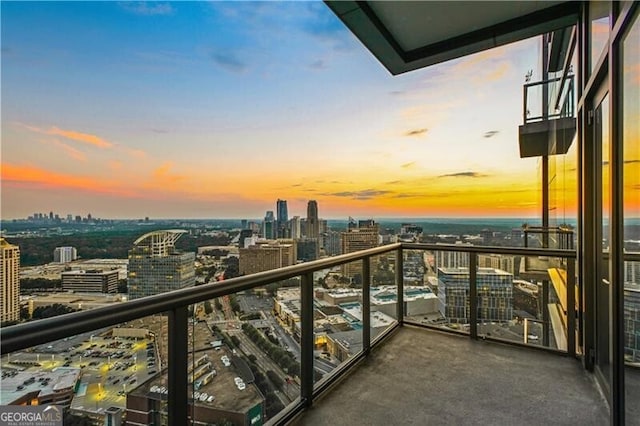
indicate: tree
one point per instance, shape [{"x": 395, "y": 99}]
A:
[
  {"x": 49, "y": 311},
  {"x": 275, "y": 379}
]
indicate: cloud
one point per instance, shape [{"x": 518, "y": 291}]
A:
[
  {"x": 230, "y": 62},
  {"x": 408, "y": 165},
  {"x": 34, "y": 177},
  {"x": 416, "y": 132},
  {"x": 71, "y": 151},
  {"x": 464, "y": 174},
  {"x": 490, "y": 133},
  {"x": 80, "y": 137},
  {"x": 365, "y": 194},
  {"x": 163, "y": 174},
  {"x": 146, "y": 9},
  {"x": 393, "y": 182},
  {"x": 85, "y": 138}
]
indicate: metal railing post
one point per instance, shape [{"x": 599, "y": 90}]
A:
[
  {"x": 400, "y": 286},
  {"x": 178, "y": 358},
  {"x": 571, "y": 307},
  {"x": 366, "y": 304},
  {"x": 306, "y": 339},
  {"x": 546, "y": 320},
  {"x": 473, "y": 296}
]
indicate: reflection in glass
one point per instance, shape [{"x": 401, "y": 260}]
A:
[
  {"x": 630, "y": 79},
  {"x": 598, "y": 30}
]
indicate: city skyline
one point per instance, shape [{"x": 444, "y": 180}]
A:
[{"x": 199, "y": 110}]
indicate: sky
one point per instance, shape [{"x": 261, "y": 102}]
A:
[{"x": 217, "y": 109}]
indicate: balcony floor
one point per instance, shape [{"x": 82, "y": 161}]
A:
[{"x": 424, "y": 377}]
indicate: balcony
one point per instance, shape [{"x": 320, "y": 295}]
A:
[{"x": 483, "y": 360}]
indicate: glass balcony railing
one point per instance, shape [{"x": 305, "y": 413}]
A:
[{"x": 259, "y": 348}]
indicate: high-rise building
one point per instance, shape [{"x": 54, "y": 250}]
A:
[
  {"x": 245, "y": 235},
  {"x": 91, "y": 281},
  {"x": 65, "y": 254},
  {"x": 452, "y": 259},
  {"x": 495, "y": 294},
  {"x": 282, "y": 219},
  {"x": 155, "y": 266},
  {"x": 269, "y": 226},
  {"x": 295, "y": 228},
  {"x": 497, "y": 261},
  {"x": 308, "y": 249},
  {"x": 313, "y": 225},
  {"x": 10, "y": 256},
  {"x": 359, "y": 238},
  {"x": 331, "y": 243},
  {"x": 632, "y": 322},
  {"x": 266, "y": 255}
]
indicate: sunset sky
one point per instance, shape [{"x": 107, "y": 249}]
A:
[{"x": 215, "y": 110}]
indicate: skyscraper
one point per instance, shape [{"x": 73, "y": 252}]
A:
[
  {"x": 269, "y": 226},
  {"x": 356, "y": 239},
  {"x": 313, "y": 224},
  {"x": 155, "y": 266},
  {"x": 10, "y": 256},
  {"x": 282, "y": 218}
]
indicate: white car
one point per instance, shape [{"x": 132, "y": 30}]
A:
[{"x": 242, "y": 386}]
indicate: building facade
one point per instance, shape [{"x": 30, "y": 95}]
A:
[
  {"x": 10, "y": 256},
  {"x": 65, "y": 254},
  {"x": 91, "y": 281},
  {"x": 362, "y": 237},
  {"x": 155, "y": 266},
  {"x": 313, "y": 224},
  {"x": 495, "y": 294},
  {"x": 266, "y": 255}
]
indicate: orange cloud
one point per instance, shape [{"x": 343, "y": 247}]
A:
[
  {"x": 38, "y": 178},
  {"x": 80, "y": 137},
  {"x": 71, "y": 151}
]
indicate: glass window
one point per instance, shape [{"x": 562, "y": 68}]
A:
[{"x": 598, "y": 30}]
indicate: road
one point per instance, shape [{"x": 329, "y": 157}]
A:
[{"x": 265, "y": 363}]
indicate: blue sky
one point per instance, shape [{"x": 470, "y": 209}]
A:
[{"x": 216, "y": 109}]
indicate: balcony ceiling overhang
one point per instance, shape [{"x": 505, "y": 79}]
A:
[{"x": 407, "y": 35}]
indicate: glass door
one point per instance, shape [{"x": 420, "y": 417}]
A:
[{"x": 603, "y": 284}]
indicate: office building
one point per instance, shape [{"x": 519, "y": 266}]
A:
[
  {"x": 282, "y": 219},
  {"x": 497, "y": 261},
  {"x": 313, "y": 225},
  {"x": 364, "y": 235},
  {"x": 245, "y": 237},
  {"x": 266, "y": 255},
  {"x": 308, "y": 249},
  {"x": 155, "y": 266},
  {"x": 65, "y": 254},
  {"x": 10, "y": 281},
  {"x": 90, "y": 281},
  {"x": 452, "y": 259},
  {"x": 295, "y": 227},
  {"x": 269, "y": 226},
  {"x": 495, "y": 294}
]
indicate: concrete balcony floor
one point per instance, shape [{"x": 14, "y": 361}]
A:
[{"x": 424, "y": 377}]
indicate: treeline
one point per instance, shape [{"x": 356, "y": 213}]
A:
[
  {"x": 100, "y": 245},
  {"x": 283, "y": 358}
]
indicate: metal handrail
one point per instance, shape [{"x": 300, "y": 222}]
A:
[
  {"x": 21, "y": 336},
  {"x": 175, "y": 303}
]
